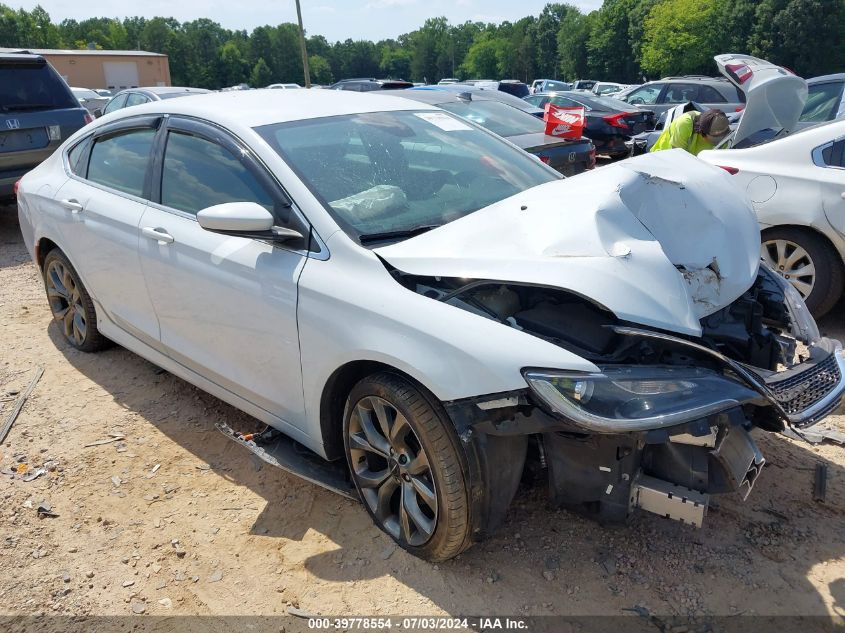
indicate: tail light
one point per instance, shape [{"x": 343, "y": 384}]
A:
[
  {"x": 615, "y": 120},
  {"x": 16, "y": 186},
  {"x": 731, "y": 170},
  {"x": 545, "y": 159},
  {"x": 740, "y": 72},
  {"x": 739, "y": 109},
  {"x": 592, "y": 163},
  {"x": 88, "y": 118}
]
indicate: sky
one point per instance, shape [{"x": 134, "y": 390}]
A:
[{"x": 335, "y": 19}]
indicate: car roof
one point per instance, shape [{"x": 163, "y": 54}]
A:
[
  {"x": 254, "y": 108},
  {"x": 22, "y": 56}
]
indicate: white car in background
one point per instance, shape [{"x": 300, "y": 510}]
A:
[
  {"x": 797, "y": 187},
  {"x": 416, "y": 307}
]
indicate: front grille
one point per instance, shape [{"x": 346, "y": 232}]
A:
[{"x": 801, "y": 391}]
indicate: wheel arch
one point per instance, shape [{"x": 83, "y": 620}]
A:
[
  {"x": 43, "y": 246},
  {"x": 807, "y": 228},
  {"x": 335, "y": 392}
]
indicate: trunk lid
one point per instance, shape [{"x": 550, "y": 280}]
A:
[
  {"x": 775, "y": 97},
  {"x": 661, "y": 240}
]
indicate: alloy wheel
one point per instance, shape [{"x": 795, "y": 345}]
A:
[
  {"x": 66, "y": 301},
  {"x": 392, "y": 471},
  {"x": 792, "y": 262}
]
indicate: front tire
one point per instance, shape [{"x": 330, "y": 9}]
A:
[
  {"x": 808, "y": 262},
  {"x": 71, "y": 304},
  {"x": 405, "y": 460}
]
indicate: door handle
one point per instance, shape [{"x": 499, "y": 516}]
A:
[
  {"x": 843, "y": 194},
  {"x": 72, "y": 204},
  {"x": 158, "y": 234}
]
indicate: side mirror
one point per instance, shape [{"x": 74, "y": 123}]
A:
[
  {"x": 245, "y": 219},
  {"x": 98, "y": 113}
]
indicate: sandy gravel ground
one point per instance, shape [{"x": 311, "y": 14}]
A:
[{"x": 176, "y": 519}]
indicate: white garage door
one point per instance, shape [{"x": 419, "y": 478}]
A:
[{"x": 121, "y": 74}]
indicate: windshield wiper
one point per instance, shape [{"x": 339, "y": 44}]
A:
[{"x": 366, "y": 238}]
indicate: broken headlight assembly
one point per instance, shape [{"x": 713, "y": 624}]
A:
[
  {"x": 628, "y": 398},
  {"x": 804, "y": 327}
]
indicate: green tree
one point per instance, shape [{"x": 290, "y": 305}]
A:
[
  {"x": 572, "y": 45},
  {"x": 234, "y": 69},
  {"x": 611, "y": 55},
  {"x": 790, "y": 33},
  {"x": 482, "y": 60},
  {"x": 321, "y": 71},
  {"x": 681, "y": 37},
  {"x": 261, "y": 74}
]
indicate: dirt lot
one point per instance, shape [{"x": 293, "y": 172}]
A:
[{"x": 176, "y": 519}]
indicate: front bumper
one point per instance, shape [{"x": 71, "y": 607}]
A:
[{"x": 808, "y": 392}]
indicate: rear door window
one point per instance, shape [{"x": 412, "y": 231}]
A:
[
  {"x": 823, "y": 102},
  {"x": 135, "y": 98},
  {"x": 680, "y": 93},
  {"x": 120, "y": 160},
  {"x": 199, "y": 173},
  {"x": 708, "y": 94},
  {"x": 32, "y": 85},
  {"x": 565, "y": 102}
]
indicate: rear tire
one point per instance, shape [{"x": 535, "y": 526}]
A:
[
  {"x": 71, "y": 304},
  {"x": 404, "y": 457},
  {"x": 808, "y": 262}
]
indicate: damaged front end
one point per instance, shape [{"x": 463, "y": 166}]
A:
[
  {"x": 648, "y": 269},
  {"x": 665, "y": 422}
]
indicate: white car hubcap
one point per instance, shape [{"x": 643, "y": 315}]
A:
[{"x": 792, "y": 262}]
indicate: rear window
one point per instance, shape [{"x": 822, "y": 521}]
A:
[
  {"x": 173, "y": 95},
  {"x": 557, "y": 85},
  {"x": 516, "y": 89},
  {"x": 499, "y": 118},
  {"x": 603, "y": 104},
  {"x": 822, "y": 102},
  {"x": 26, "y": 85}
]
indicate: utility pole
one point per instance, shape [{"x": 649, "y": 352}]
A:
[{"x": 302, "y": 46}]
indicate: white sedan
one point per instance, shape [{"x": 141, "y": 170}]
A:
[
  {"x": 416, "y": 307},
  {"x": 797, "y": 187}
]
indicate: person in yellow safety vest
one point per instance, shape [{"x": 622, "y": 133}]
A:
[{"x": 694, "y": 132}]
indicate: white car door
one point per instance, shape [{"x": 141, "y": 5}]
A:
[
  {"x": 103, "y": 202},
  {"x": 226, "y": 304},
  {"x": 830, "y": 158}
]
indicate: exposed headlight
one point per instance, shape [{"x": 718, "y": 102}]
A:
[{"x": 622, "y": 399}]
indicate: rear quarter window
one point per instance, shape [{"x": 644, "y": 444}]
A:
[{"x": 76, "y": 156}]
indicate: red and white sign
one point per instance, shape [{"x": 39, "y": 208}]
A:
[{"x": 564, "y": 122}]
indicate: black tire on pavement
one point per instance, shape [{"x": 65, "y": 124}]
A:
[
  {"x": 406, "y": 462},
  {"x": 71, "y": 304}
]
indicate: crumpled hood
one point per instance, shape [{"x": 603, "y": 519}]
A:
[{"x": 661, "y": 240}]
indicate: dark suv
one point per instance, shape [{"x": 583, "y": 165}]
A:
[
  {"x": 366, "y": 85},
  {"x": 37, "y": 112}
]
